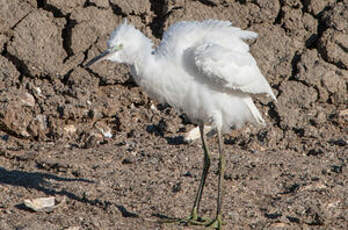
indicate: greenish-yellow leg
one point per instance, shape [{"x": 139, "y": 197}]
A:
[
  {"x": 194, "y": 213},
  {"x": 217, "y": 223},
  {"x": 194, "y": 218}
]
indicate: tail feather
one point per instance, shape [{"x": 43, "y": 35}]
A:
[{"x": 255, "y": 112}]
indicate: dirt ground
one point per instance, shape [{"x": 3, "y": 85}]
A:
[{"x": 56, "y": 118}]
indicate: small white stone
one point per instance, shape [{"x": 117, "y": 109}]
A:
[
  {"x": 40, "y": 204},
  {"x": 70, "y": 129},
  {"x": 27, "y": 99}
]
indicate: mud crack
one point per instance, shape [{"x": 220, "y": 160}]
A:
[
  {"x": 117, "y": 10},
  {"x": 66, "y": 31},
  {"x": 208, "y": 2},
  {"x": 20, "y": 65},
  {"x": 67, "y": 37},
  {"x": 160, "y": 9}
]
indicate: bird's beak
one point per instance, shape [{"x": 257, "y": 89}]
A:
[{"x": 99, "y": 58}]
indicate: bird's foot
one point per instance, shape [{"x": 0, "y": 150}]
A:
[
  {"x": 196, "y": 220},
  {"x": 191, "y": 220},
  {"x": 215, "y": 224}
]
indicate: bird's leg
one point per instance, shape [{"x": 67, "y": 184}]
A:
[
  {"x": 194, "y": 219},
  {"x": 206, "y": 165},
  {"x": 222, "y": 164},
  {"x": 218, "y": 220}
]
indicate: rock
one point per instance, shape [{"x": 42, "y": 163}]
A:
[
  {"x": 46, "y": 204},
  {"x": 38, "y": 45},
  {"x": 100, "y": 3},
  {"x": 294, "y": 100},
  {"x": 315, "y": 7},
  {"x": 274, "y": 51},
  {"x": 103, "y": 128},
  {"x": 66, "y": 6},
  {"x": 38, "y": 127},
  {"x": 137, "y": 7},
  {"x": 70, "y": 129},
  {"x": 336, "y": 17},
  {"x": 298, "y": 25},
  {"x": 89, "y": 25},
  {"x": 268, "y": 10},
  {"x": 333, "y": 46},
  {"x": 9, "y": 76},
  {"x": 11, "y": 12},
  {"x": 27, "y": 99},
  {"x": 14, "y": 117}
]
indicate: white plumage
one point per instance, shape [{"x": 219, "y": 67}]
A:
[{"x": 203, "y": 69}]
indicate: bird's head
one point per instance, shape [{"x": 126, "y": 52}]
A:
[{"x": 122, "y": 45}]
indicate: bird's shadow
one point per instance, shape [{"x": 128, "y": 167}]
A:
[
  {"x": 39, "y": 181},
  {"x": 125, "y": 212},
  {"x": 177, "y": 140},
  {"x": 163, "y": 219},
  {"x": 159, "y": 130}
]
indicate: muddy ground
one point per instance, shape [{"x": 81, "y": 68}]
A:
[{"x": 56, "y": 117}]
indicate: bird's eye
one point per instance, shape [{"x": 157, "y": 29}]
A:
[{"x": 117, "y": 47}]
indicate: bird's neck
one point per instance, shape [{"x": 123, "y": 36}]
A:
[
  {"x": 140, "y": 51},
  {"x": 141, "y": 57}
]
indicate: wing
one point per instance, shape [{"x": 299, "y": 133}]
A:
[
  {"x": 182, "y": 35},
  {"x": 227, "y": 69}
]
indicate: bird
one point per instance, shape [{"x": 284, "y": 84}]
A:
[{"x": 203, "y": 69}]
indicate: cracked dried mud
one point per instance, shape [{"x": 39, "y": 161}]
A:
[{"x": 56, "y": 118}]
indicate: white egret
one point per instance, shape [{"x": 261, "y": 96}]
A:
[{"x": 203, "y": 69}]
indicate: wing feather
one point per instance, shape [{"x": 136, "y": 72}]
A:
[
  {"x": 183, "y": 35},
  {"x": 229, "y": 69},
  {"x": 214, "y": 52}
]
